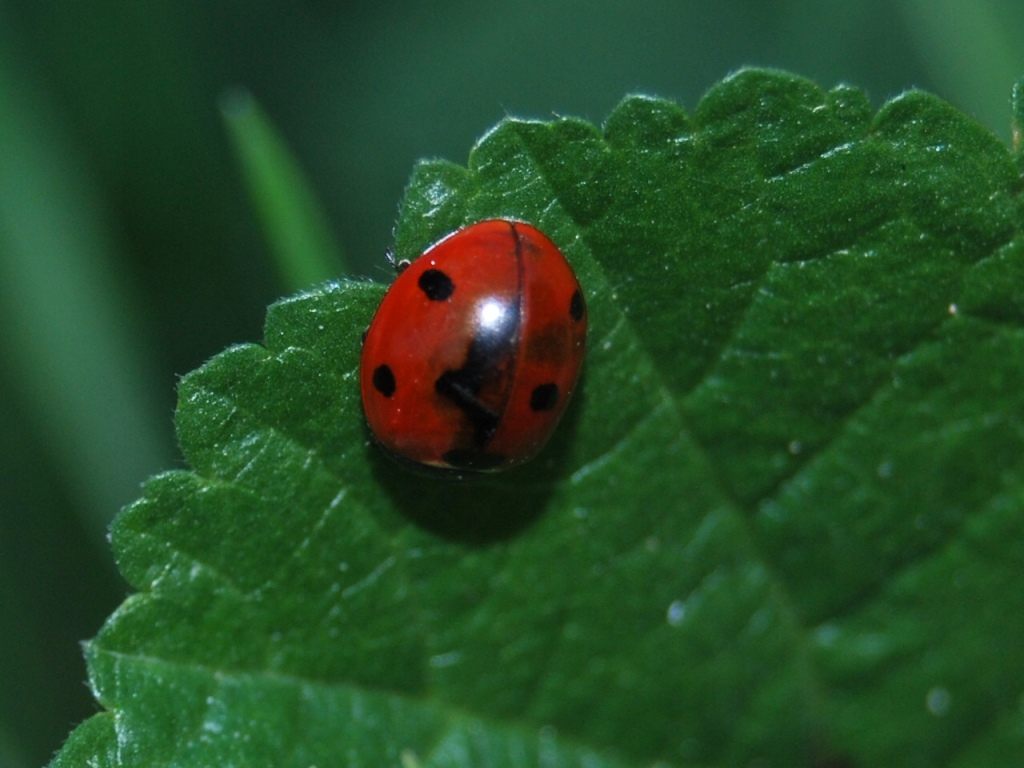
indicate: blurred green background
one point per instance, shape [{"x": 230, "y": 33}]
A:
[{"x": 129, "y": 253}]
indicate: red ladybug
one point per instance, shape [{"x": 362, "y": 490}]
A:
[{"x": 475, "y": 349}]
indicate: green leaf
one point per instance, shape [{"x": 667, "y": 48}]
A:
[
  {"x": 780, "y": 524},
  {"x": 295, "y": 225},
  {"x": 72, "y": 351}
]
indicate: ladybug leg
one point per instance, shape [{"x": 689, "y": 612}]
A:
[
  {"x": 462, "y": 387},
  {"x": 478, "y": 388}
]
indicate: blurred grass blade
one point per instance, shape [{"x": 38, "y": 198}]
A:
[
  {"x": 70, "y": 347},
  {"x": 295, "y": 225},
  {"x": 10, "y": 756}
]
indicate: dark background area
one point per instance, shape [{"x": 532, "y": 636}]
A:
[{"x": 129, "y": 253}]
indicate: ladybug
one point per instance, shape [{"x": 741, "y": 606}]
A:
[{"x": 475, "y": 350}]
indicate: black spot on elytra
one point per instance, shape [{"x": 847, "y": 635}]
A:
[
  {"x": 436, "y": 285},
  {"x": 576, "y": 306},
  {"x": 384, "y": 380},
  {"x": 544, "y": 397}
]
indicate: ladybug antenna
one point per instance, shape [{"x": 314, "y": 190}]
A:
[{"x": 399, "y": 265}]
